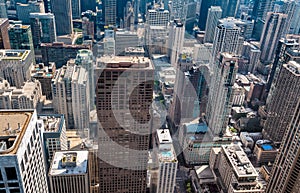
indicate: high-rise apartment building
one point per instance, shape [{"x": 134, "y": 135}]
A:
[
  {"x": 124, "y": 95},
  {"x": 62, "y": 11},
  {"x": 22, "y": 164},
  {"x": 54, "y": 135},
  {"x": 15, "y": 66},
  {"x": 23, "y": 10},
  {"x": 164, "y": 177},
  {"x": 4, "y": 38},
  {"x": 272, "y": 32},
  {"x": 43, "y": 28},
  {"x": 288, "y": 49},
  {"x": 227, "y": 39},
  {"x": 20, "y": 37},
  {"x": 85, "y": 59},
  {"x": 214, "y": 14},
  {"x": 26, "y": 97},
  {"x": 70, "y": 90},
  {"x": 176, "y": 39},
  {"x": 69, "y": 172},
  {"x": 110, "y": 11},
  {"x": 76, "y": 9},
  {"x": 285, "y": 172},
  {"x": 283, "y": 103},
  {"x": 220, "y": 96}
]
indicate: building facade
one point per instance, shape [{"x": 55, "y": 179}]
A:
[
  {"x": 214, "y": 14},
  {"x": 20, "y": 37},
  {"x": 4, "y": 38},
  {"x": 21, "y": 153},
  {"x": 62, "y": 11}
]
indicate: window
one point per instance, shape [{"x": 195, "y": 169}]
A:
[{"x": 11, "y": 173}]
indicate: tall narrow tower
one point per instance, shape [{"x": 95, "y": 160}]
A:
[
  {"x": 124, "y": 96},
  {"x": 214, "y": 14},
  {"x": 62, "y": 11},
  {"x": 285, "y": 175},
  {"x": 110, "y": 11}
]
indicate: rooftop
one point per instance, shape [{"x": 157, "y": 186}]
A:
[
  {"x": 164, "y": 136},
  {"x": 69, "y": 163},
  {"x": 293, "y": 67},
  {"x": 239, "y": 161},
  {"x": 125, "y": 62},
  {"x": 52, "y": 123},
  {"x": 12, "y": 128},
  {"x": 14, "y": 54}
]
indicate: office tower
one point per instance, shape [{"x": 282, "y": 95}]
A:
[
  {"x": 261, "y": 8},
  {"x": 60, "y": 53},
  {"x": 230, "y": 8},
  {"x": 85, "y": 59},
  {"x": 71, "y": 96},
  {"x": 287, "y": 50},
  {"x": 220, "y": 96},
  {"x": 191, "y": 15},
  {"x": 280, "y": 112},
  {"x": 4, "y": 38},
  {"x": 44, "y": 75},
  {"x": 109, "y": 42},
  {"x": 15, "y": 66},
  {"x": 176, "y": 39},
  {"x": 3, "y": 9},
  {"x": 88, "y": 5},
  {"x": 20, "y": 37},
  {"x": 285, "y": 171},
  {"x": 246, "y": 26},
  {"x": 120, "y": 6},
  {"x": 204, "y": 6},
  {"x": 166, "y": 160},
  {"x": 21, "y": 157},
  {"x": 62, "y": 11},
  {"x": 125, "y": 39},
  {"x": 43, "y": 28},
  {"x": 23, "y": 10},
  {"x": 178, "y": 10},
  {"x": 272, "y": 32},
  {"x": 26, "y": 97},
  {"x": 214, "y": 14},
  {"x": 110, "y": 11},
  {"x": 125, "y": 83},
  {"x": 159, "y": 17},
  {"x": 251, "y": 53},
  {"x": 69, "y": 172},
  {"x": 295, "y": 23},
  {"x": 236, "y": 172},
  {"x": 88, "y": 31},
  {"x": 76, "y": 9},
  {"x": 54, "y": 134},
  {"x": 129, "y": 17},
  {"x": 227, "y": 38}
]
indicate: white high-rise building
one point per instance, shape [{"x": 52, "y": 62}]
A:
[
  {"x": 26, "y": 97},
  {"x": 159, "y": 17},
  {"x": 176, "y": 39},
  {"x": 70, "y": 90},
  {"x": 15, "y": 66},
  {"x": 85, "y": 59},
  {"x": 220, "y": 97},
  {"x": 163, "y": 179},
  {"x": 214, "y": 14},
  {"x": 227, "y": 39},
  {"x": 22, "y": 166}
]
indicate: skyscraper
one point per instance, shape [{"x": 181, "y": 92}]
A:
[
  {"x": 21, "y": 153},
  {"x": 124, "y": 95},
  {"x": 220, "y": 96},
  {"x": 23, "y": 10},
  {"x": 110, "y": 11},
  {"x": 62, "y": 11},
  {"x": 3, "y": 9},
  {"x": 85, "y": 59},
  {"x": 178, "y": 10},
  {"x": 214, "y": 14},
  {"x": 285, "y": 172},
  {"x": 20, "y": 37},
  {"x": 262, "y": 7},
  {"x": 230, "y": 7},
  {"x": 176, "y": 39},
  {"x": 227, "y": 38},
  {"x": 76, "y": 9},
  {"x": 4, "y": 38},
  {"x": 70, "y": 90},
  {"x": 283, "y": 103},
  {"x": 272, "y": 32},
  {"x": 43, "y": 28}
]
